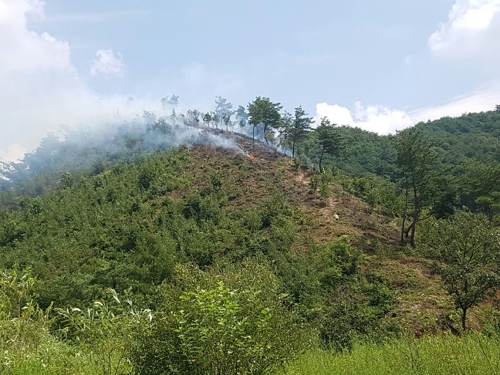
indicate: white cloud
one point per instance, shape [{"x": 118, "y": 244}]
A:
[
  {"x": 24, "y": 51},
  {"x": 375, "y": 118},
  {"x": 384, "y": 120},
  {"x": 335, "y": 113},
  {"x": 472, "y": 30},
  {"x": 380, "y": 119},
  {"x": 107, "y": 63}
]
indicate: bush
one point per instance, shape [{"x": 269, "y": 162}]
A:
[
  {"x": 362, "y": 313},
  {"x": 234, "y": 322}
]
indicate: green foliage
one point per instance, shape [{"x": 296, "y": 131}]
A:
[
  {"x": 214, "y": 327},
  {"x": 329, "y": 140},
  {"x": 457, "y": 142},
  {"x": 16, "y": 292},
  {"x": 481, "y": 185},
  {"x": 416, "y": 160},
  {"x": 358, "y": 305},
  {"x": 361, "y": 314},
  {"x": 325, "y": 191},
  {"x": 377, "y": 192},
  {"x": 233, "y": 322},
  {"x": 264, "y": 111},
  {"x": 298, "y": 129},
  {"x": 22, "y": 323},
  {"x": 98, "y": 233},
  {"x": 467, "y": 249},
  {"x": 331, "y": 293}
]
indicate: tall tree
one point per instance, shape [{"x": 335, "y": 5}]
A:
[
  {"x": 193, "y": 117},
  {"x": 215, "y": 119},
  {"x": 222, "y": 108},
  {"x": 416, "y": 160},
  {"x": 174, "y": 100},
  {"x": 467, "y": 250},
  {"x": 241, "y": 117},
  {"x": 285, "y": 127},
  {"x": 264, "y": 111},
  {"x": 299, "y": 129},
  {"x": 329, "y": 140},
  {"x": 207, "y": 118},
  {"x": 227, "y": 121}
]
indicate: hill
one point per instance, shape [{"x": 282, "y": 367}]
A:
[
  {"x": 168, "y": 226},
  {"x": 128, "y": 226}
]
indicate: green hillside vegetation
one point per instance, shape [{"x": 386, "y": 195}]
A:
[{"x": 129, "y": 253}]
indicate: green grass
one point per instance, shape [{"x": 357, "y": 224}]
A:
[
  {"x": 443, "y": 355},
  {"x": 51, "y": 358},
  {"x": 48, "y": 355},
  {"x": 473, "y": 354}
]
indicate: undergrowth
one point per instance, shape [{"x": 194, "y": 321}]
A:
[{"x": 439, "y": 355}]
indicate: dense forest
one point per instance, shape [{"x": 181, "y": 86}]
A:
[{"x": 249, "y": 241}]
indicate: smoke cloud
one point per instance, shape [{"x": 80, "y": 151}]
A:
[
  {"x": 122, "y": 140},
  {"x": 107, "y": 63}
]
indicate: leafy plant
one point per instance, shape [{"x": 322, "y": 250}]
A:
[
  {"x": 240, "y": 325},
  {"x": 466, "y": 248},
  {"x": 102, "y": 331}
]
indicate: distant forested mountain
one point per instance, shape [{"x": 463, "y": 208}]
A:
[{"x": 471, "y": 136}]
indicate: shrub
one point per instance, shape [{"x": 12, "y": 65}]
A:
[{"x": 233, "y": 322}]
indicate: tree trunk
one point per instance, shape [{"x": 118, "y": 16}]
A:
[
  {"x": 407, "y": 231},
  {"x": 253, "y": 133},
  {"x": 413, "y": 228},
  {"x": 403, "y": 229},
  {"x": 416, "y": 213},
  {"x": 464, "y": 308},
  {"x": 321, "y": 160},
  {"x": 464, "y": 318},
  {"x": 293, "y": 149},
  {"x": 405, "y": 215},
  {"x": 489, "y": 211}
]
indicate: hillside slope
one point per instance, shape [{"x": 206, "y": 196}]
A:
[
  {"x": 128, "y": 226},
  {"x": 124, "y": 209}
]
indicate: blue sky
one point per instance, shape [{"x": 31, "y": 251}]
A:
[{"x": 381, "y": 65}]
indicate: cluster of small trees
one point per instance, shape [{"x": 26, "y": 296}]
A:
[
  {"x": 281, "y": 129},
  {"x": 465, "y": 245}
]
